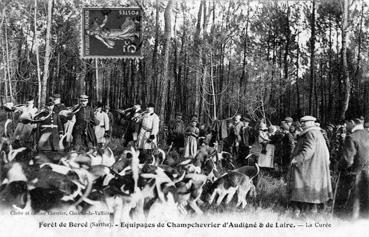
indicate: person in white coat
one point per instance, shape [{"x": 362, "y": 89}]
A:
[
  {"x": 102, "y": 129},
  {"x": 147, "y": 137}
]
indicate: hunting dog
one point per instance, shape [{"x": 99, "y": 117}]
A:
[{"x": 231, "y": 183}]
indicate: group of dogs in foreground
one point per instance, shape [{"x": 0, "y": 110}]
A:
[{"x": 42, "y": 181}]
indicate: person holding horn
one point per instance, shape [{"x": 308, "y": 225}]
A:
[
  {"x": 83, "y": 131},
  {"x": 147, "y": 137}
]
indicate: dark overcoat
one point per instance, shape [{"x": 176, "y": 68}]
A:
[{"x": 352, "y": 197}]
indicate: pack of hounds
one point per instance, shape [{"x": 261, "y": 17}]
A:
[{"x": 80, "y": 181}]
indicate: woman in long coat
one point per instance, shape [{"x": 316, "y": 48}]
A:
[
  {"x": 103, "y": 127},
  {"x": 191, "y": 133},
  {"x": 310, "y": 180}
]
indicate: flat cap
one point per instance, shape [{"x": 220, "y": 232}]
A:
[
  {"x": 308, "y": 118},
  {"x": 288, "y": 119},
  {"x": 56, "y": 96},
  {"x": 83, "y": 97},
  {"x": 150, "y": 105},
  {"x": 194, "y": 119},
  {"x": 99, "y": 104}
]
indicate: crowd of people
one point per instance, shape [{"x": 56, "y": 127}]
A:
[{"x": 305, "y": 155}]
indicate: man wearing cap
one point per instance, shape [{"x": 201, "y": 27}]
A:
[
  {"x": 176, "y": 132},
  {"x": 58, "y": 106},
  {"x": 147, "y": 137},
  {"x": 51, "y": 129},
  {"x": 23, "y": 132},
  {"x": 352, "y": 198},
  {"x": 83, "y": 130},
  {"x": 310, "y": 180},
  {"x": 247, "y": 139},
  {"x": 289, "y": 121}
]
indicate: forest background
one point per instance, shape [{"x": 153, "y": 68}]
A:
[{"x": 271, "y": 58}]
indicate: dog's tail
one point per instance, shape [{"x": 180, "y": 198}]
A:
[
  {"x": 88, "y": 177},
  {"x": 8, "y": 121},
  {"x": 61, "y": 145},
  {"x": 257, "y": 171},
  {"x": 163, "y": 156}
]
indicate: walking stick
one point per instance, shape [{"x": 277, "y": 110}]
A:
[
  {"x": 170, "y": 147},
  {"x": 335, "y": 192},
  {"x": 289, "y": 186}
]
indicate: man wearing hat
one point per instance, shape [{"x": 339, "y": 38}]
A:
[
  {"x": 58, "y": 106},
  {"x": 83, "y": 130},
  {"x": 310, "y": 180},
  {"x": 23, "y": 132},
  {"x": 247, "y": 139},
  {"x": 176, "y": 130},
  {"x": 352, "y": 198},
  {"x": 147, "y": 137},
  {"x": 289, "y": 121},
  {"x": 51, "y": 129}
]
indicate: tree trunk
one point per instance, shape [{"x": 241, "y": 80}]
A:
[
  {"x": 312, "y": 59},
  {"x": 167, "y": 46},
  {"x": 155, "y": 82},
  {"x": 297, "y": 79},
  {"x": 37, "y": 57},
  {"x": 47, "y": 52},
  {"x": 344, "y": 60},
  {"x": 198, "y": 55}
]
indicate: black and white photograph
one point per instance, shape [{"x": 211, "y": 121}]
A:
[{"x": 184, "y": 118}]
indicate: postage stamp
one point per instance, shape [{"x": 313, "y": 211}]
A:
[{"x": 111, "y": 33}]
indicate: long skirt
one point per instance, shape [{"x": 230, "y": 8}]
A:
[
  {"x": 267, "y": 160},
  {"x": 100, "y": 132},
  {"x": 142, "y": 142}
]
